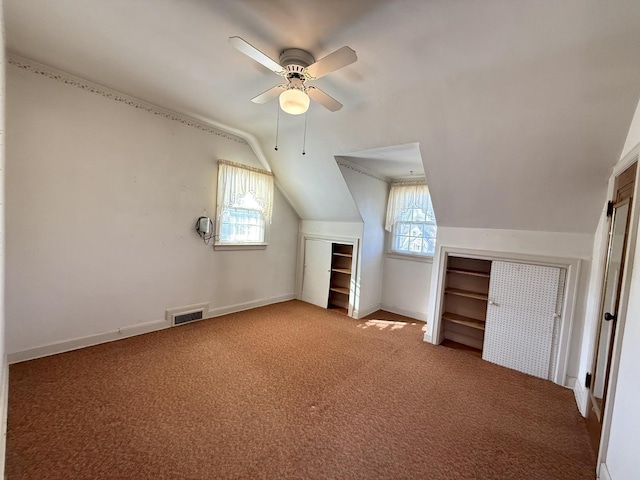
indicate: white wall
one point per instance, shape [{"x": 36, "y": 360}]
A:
[
  {"x": 370, "y": 195},
  {"x": 406, "y": 287},
  {"x": 102, "y": 200},
  {"x": 4, "y": 371},
  {"x": 622, "y": 460},
  {"x": 633, "y": 137},
  {"x": 545, "y": 244}
]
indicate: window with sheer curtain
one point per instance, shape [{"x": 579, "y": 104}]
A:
[
  {"x": 245, "y": 202},
  {"x": 411, "y": 220}
]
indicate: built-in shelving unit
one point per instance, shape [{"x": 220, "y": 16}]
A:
[
  {"x": 465, "y": 300},
  {"x": 339, "y": 288},
  {"x": 467, "y": 293}
]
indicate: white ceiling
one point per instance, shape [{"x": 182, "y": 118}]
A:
[
  {"x": 520, "y": 107},
  {"x": 392, "y": 162}
]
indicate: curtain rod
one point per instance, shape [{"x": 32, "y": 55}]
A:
[{"x": 246, "y": 167}]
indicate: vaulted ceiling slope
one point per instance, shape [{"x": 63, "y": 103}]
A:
[{"x": 520, "y": 107}]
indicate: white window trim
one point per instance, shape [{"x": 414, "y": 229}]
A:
[
  {"x": 221, "y": 247},
  {"x": 412, "y": 257}
]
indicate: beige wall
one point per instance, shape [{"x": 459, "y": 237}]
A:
[{"x": 102, "y": 200}]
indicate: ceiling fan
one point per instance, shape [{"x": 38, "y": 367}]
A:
[{"x": 298, "y": 67}]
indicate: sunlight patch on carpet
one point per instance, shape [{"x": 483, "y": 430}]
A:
[{"x": 383, "y": 324}]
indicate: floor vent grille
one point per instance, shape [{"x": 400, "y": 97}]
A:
[{"x": 187, "y": 317}]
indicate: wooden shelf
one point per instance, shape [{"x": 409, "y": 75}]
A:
[
  {"x": 344, "y": 291},
  {"x": 473, "y": 273},
  {"x": 339, "y": 287},
  {"x": 462, "y": 320},
  {"x": 342, "y": 270},
  {"x": 463, "y": 348},
  {"x": 467, "y": 293}
]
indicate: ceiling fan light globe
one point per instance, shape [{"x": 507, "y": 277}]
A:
[{"x": 294, "y": 101}]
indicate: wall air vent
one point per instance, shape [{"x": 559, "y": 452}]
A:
[
  {"x": 187, "y": 317},
  {"x": 186, "y": 314}
]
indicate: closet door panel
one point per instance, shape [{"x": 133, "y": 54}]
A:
[
  {"x": 317, "y": 272},
  {"x": 521, "y": 316}
]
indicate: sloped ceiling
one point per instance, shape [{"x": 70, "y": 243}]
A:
[{"x": 520, "y": 108}]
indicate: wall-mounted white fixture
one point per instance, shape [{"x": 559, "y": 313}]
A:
[{"x": 204, "y": 228}]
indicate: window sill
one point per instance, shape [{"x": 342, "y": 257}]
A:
[
  {"x": 408, "y": 256},
  {"x": 239, "y": 246}
]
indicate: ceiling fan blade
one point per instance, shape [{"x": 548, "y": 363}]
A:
[
  {"x": 323, "y": 99},
  {"x": 332, "y": 62},
  {"x": 269, "y": 94},
  {"x": 252, "y": 52}
]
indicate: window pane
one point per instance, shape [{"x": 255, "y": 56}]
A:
[
  {"x": 418, "y": 215},
  {"x": 403, "y": 228},
  {"x": 239, "y": 225},
  {"x": 417, "y": 230}
]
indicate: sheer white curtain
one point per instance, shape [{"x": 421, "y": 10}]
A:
[
  {"x": 235, "y": 181},
  {"x": 406, "y": 196}
]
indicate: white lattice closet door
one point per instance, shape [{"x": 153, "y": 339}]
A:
[{"x": 520, "y": 317}]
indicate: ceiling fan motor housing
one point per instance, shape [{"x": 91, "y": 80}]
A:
[{"x": 296, "y": 57}]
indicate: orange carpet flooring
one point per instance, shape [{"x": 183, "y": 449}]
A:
[{"x": 288, "y": 391}]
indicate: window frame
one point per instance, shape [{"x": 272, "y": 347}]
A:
[
  {"x": 392, "y": 236},
  {"x": 236, "y": 245}
]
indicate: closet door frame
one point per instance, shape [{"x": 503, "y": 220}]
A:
[
  {"x": 355, "y": 270},
  {"x": 572, "y": 266}
]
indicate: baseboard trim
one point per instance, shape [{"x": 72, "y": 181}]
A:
[
  {"x": 603, "y": 473},
  {"x": 406, "y": 313},
  {"x": 240, "y": 307},
  {"x": 125, "y": 332},
  {"x": 4, "y": 410},
  {"x": 89, "y": 341},
  {"x": 582, "y": 397}
]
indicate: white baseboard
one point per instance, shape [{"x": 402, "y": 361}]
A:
[
  {"x": 363, "y": 312},
  {"x": 427, "y": 338},
  {"x": 406, "y": 313},
  {"x": 76, "y": 343},
  {"x": 4, "y": 407},
  {"x": 239, "y": 307},
  {"x": 582, "y": 397},
  {"x": 603, "y": 473}
]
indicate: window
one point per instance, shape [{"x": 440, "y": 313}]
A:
[
  {"x": 411, "y": 220},
  {"x": 245, "y": 197}
]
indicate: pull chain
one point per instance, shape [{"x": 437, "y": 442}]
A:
[
  {"x": 277, "y": 126},
  {"x": 304, "y": 138}
]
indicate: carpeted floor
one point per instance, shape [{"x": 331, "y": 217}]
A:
[{"x": 288, "y": 391}]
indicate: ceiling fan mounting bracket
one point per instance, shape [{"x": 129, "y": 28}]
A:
[{"x": 296, "y": 57}]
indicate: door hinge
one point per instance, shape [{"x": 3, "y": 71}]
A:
[
  {"x": 609, "y": 208},
  {"x": 587, "y": 380}
]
